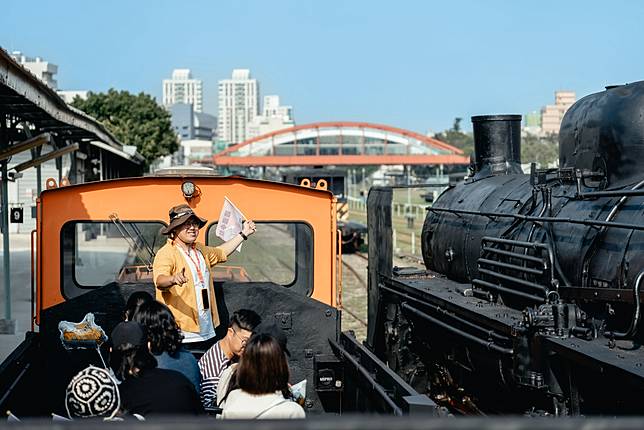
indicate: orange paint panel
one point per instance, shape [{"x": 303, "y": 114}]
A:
[{"x": 149, "y": 198}]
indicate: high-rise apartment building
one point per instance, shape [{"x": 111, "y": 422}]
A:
[
  {"x": 274, "y": 117},
  {"x": 238, "y": 106},
  {"x": 551, "y": 115},
  {"x": 44, "y": 70},
  {"x": 182, "y": 88}
]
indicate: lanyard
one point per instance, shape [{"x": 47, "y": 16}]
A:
[{"x": 197, "y": 266}]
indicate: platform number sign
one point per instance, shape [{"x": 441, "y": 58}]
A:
[{"x": 16, "y": 215}]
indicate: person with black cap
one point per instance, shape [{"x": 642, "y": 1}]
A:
[
  {"x": 145, "y": 389},
  {"x": 183, "y": 278}
]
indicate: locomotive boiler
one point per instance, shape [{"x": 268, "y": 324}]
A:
[{"x": 531, "y": 300}]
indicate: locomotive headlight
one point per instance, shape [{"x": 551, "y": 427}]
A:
[{"x": 188, "y": 189}]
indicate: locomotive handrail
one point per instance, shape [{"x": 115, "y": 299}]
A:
[
  {"x": 501, "y": 289},
  {"x": 545, "y": 264},
  {"x": 486, "y": 344},
  {"x": 489, "y": 333},
  {"x": 525, "y": 283},
  {"x": 632, "y": 330},
  {"x": 592, "y": 248},
  {"x": 375, "y": 375},
  {"x": 616, "y": 193},
  {"x": 540, "y": 219},
  {"x": 365, "y": 374},
  {"x": 512, "y": 254},
  {"x": 510, "y": 266},
  {"x": 515, "y": 242}
]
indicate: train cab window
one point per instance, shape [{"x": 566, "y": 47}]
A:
[
  {"x": 279, "y": 253},
  {"x": 95, "y": 254}
]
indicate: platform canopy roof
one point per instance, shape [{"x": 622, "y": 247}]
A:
[{"x": 26, "y": 98}]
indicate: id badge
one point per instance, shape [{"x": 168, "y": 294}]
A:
[{"x": 204, "y": 298}]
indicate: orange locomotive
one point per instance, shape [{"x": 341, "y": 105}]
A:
[
  {"x": 95, "y": 246},
  {"x": 90, "y": 213}
]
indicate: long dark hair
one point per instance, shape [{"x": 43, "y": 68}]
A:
[
  {"x": 263, "y": 367},
  {"x": 129, "y": 361},
  {"x": 162, "y": 329},
  {"x": 135, "y": 301}
]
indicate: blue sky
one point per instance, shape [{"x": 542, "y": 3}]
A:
[{"x": 410, "y": 64}]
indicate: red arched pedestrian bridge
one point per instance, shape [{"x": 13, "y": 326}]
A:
[{"x": 340, "y": 143}]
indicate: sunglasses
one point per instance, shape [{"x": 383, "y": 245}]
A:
[{"x": 190, "y": 224}]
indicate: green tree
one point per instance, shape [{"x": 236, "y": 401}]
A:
[
  {"x": 542, "y": 151},
  {"x": 456, "y": 137},
  {"x": 134, "y": 120}
]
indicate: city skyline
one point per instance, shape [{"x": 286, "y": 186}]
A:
[{"x": 416, "y": 65}]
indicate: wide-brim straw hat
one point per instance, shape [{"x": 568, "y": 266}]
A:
[{"x": 179, "y": 215}]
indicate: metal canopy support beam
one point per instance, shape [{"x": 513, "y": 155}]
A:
[
  {"x": 49, "y": 156},
  {"x": 33, "y": 142},
  {"x": 7, "y": 326}
]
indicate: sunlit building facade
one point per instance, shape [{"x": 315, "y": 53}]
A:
[
  {"x": 183, "y": 88},
  {"x": 274, "y": 117},
  {"x": 43, "y": 70},
  {"x": 238, "y": 106},
  {"x": 552, "y": 115}
]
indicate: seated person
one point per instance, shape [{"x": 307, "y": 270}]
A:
[
  {"x": 262, "y": 376},
  {"x": 134, "y": 302},
  {"x": 146, "y": 390},
  {"x": 228, "y": 379},
  {"x": 165, "y": 338},
  {"x": 222, "y": 354},
  {"x": 92, "y": 393}
]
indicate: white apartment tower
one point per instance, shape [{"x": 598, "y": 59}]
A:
[
  {"x": 44, "y": 70},
  {"x": 238, "y": 105},
  {"x": 182, "y": 88}
]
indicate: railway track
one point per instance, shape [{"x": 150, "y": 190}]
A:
[
  {"x": 361, "y": 255},
  {"x": 361, "y": 280},
  {"x": 354, "y": 302}
]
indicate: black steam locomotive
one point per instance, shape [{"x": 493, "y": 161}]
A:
[{"x": 531, "y": 300}]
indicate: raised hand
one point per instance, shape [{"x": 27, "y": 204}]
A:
[
  {"x": 180, "y": 278},
  {"x": 248, "y": 228}
]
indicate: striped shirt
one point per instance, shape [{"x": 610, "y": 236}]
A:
[{"x": 211, "y": 365}]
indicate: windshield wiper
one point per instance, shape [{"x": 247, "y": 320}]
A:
[{"x": 137, "y": 242}]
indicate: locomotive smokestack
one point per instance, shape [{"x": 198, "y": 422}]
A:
[{"x": 497, "y": 144}]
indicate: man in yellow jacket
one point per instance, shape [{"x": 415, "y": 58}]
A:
[{"x": 182, "y": 273}]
